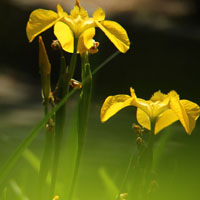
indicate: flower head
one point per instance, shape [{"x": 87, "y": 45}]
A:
[
  {"x": 161, "y": 109},
  {"x": 76, "y": 26}
]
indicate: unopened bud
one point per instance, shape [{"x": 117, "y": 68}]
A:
[
  {"x": 45, "y": 69},
  {"x": 137, "y": 129},
  {"x": 55, "y": 45},
  {"x": 75, "y": 84},
  {"x": 139, "y": 141},
  {"x": 50, "y": 125},
  {"x": 94, "y": 48}
]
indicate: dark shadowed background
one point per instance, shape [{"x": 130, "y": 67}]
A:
[{"x": 164, "y": 53}]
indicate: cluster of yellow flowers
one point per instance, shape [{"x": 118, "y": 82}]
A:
[
  {"x": 161, "y": 110},
  {"x": 78, "y": 28}
]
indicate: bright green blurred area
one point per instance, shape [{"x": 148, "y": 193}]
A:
[{"x": 107, "y": 151}]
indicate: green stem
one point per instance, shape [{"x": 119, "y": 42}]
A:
[
  {"x": 147, "y": 174},
  {"x": 128, "y": 169},
  {"x": 84, "y": 106},
  {"x": 62, "y": 91},
  {"x": 47, "y": 155},
  {"x": 142, "y": 169}
]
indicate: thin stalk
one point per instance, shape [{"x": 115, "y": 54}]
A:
[
  {"x": 47, "y": 155},
  {"x": 147, "y": 174},
  {"x": 45, "y": 72},
  {"x": 130, "y": 163},
  {"x": 62, "y": 91},
  {"x": 84, "y": 106},
  {"x": 142, "y": 168}
]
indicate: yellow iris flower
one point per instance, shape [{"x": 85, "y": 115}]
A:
[
  {"x": 76, "y": 26},
  {"x": 161, "y": 110}
]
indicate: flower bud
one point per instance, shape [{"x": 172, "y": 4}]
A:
[
  {"x": 94, "y": 48},
  {"x": 45, "y": 69},
  {"x": 55, "y": 45},
  {"x": 75, "y": 84},
  {"x": 137, "y": 129}
]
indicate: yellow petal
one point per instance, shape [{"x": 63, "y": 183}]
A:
[
  {"x": 193, "y": 112},
  {"x": 99, "y": 14},
  {"x": 191, "y": 108},
  {"x": 165, "y": 119},
  {"x": 64, "y": 36},
  {"x": 180, "y": 111},
  {"x": 76, "y": 11},
  {"x": 113, "y": 104},
  {"x": 60, "y": 11},
  {"x": 140, "y": 103},
  {"x": 85, "y": 41},
  {"x": 143, "y": 119},
  {"x": 39, "y": 21},
  {"x": 116, "y": 33},
  {"x": 132, "y": 91},
  {"x": 158, "y": 96},
  {"x": 153, "y": 107},
  {"x": 83, "y": 13}
]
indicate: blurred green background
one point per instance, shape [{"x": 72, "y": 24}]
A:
[{"x": 164, "y": 55}]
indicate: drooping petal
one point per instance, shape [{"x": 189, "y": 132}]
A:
[
  {"x": 193, "y": 112},
  {"x": 64, "y": 36},
  {"x": 143, "y": 119},
  {"x": 165, "y": 119},
  {"x": 99, "y": 14},
  {"x": 113, "y": 104},
  {"x": 116, "y": 33},
  {"x": 180, "y": 111},
  {"x": 39, "y": 21},
  {"x": 85, "y": 41}
]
